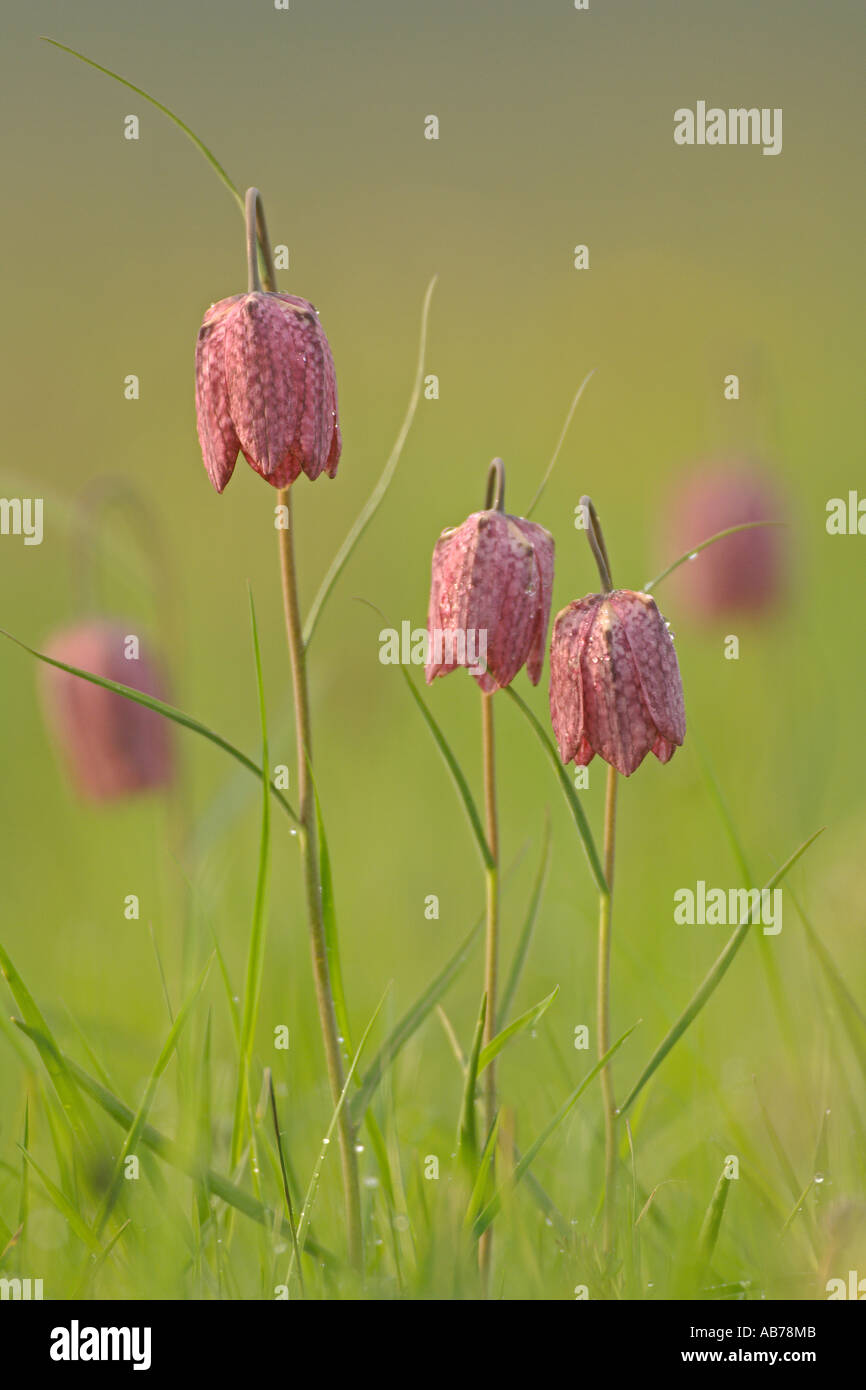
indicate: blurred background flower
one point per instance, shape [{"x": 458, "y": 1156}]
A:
[
  {"x": 744, "y": 573},
  {"x": 112, "y": 747}
]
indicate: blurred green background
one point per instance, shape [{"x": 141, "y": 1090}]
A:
[{"x": 555, "y": 129}]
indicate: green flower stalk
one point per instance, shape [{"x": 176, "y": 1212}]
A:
[{"x": 265, "y": 386}]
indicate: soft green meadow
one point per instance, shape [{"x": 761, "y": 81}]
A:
[{"x": 166, "y": 1125}]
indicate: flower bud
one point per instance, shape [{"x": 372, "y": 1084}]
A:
[
  {"x": 745, "y": 572},
  {"x": 266, "y": 387},
  {"x": 490, "y": 599},
  {"x": 615, "y": 686},
  {"x": 113, "y": 747}
]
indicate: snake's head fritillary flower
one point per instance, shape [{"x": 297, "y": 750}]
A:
[
  {"x": 265, "y": 384},
  {"x": 744, "y": 573},
  {"x": 266, "y": 387},
  {"x": 490, "y": 599},
  {"x": 113, "y": 748},
  {"x": 615, "y": 686}
]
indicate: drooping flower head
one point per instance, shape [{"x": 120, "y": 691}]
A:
[
  {"x": 615, "y": 686},
  {"x": 265, "y": 383},
  {"x": 490, "y": 595},
  {"x": 113, "y": 748},
  {"x": 744, "y": 573}
]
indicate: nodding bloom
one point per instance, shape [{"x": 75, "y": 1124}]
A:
[
  {"x": 265, "y": 387},
  {"x": 113, "y": 748},
  {"x": 744, "y": 573},
  {"x": 615, "y": 686},
  {"x": 490, "y": 599}
]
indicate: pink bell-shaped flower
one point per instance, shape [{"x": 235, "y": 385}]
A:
[
  {"x": 745, "y": 573},
  {"x": 113, "y": 748},
  {"x": 615, "y": 686},
  {"x": 265, "y": 384},
  {"x": 490, "y": 597}
]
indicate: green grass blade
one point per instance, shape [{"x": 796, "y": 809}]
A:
[
  {"x": 710, "y": 982},
  {"x": 312, "y": 1189},
  {"x": 329, "y": 921},
  {"x": 450, "y": 760},
  {"x": 411, "y": 1021},
  {"x": 467, "y": 1136},
  {"x": 696, "y": 549},
  {"x": 849, "y": 1011},
  {"x": 577, "y": 811},
  {"x": 768, "y": 958},
  {"x": 159, "y": 707},
  {"x": 421, "y": 1009},
  {"x": 373, "y": 502},
  {"x": 8, "y": 1239},
  {"x": 284, "y": 1179},
  {"x": 67, "y": 1092},
  {"x": 134, "y": 1132},
  {"x": 64, "y": 1206},
  {"x": 799, "y": 1205},
  {"x": 165, "y": 1148},
  {"x": 709, "y": 1232},
  {"x": 559, "y": 443},
  {"x": 181, "y": 125},
  {"x": 484, "y": 1166},
  {"x": 256, "y": 949},
  {"x": 494, "y": 1205},
  {"x": 524, "y": 940},
  {"x": 24, "y": 1194},
  {"x": 456, "y": 773},
  {"x": 787, "y": 1167},
  {"x": 526, "y": 1020}
]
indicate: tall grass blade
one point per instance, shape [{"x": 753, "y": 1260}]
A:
[
  {"x": 494, "y": 1205},
  {"x": 181, "y": 125},
  {"x": 709, "y": 1232},
  {"x": 696, "y": 549},
  {"x": 708, "y": 987},
  {"x": 256, "y": 949},
  {"x": 306, "y": 1210},
  {"x": 849, "y": 1011},
  {"x": 134, "y": 1132},
  {"x": 456, "y": 771},
  {"x": 67, "y": 1093},
  {"x": 411, "y": 1021},
  {"x": 467, "y": 1136},
  {"x": 159, "y": 707},
  {"x": 559, "y": 443},
  {"x": 64, "y": 1206},
  {"x": 524, "y": 940},
  {"x": 483, "y": 1177},
  {"x": 574, "y": 806},
  {"x": 165, "y": 1148},
  {"x": 371, "y": 506},
  {"x": 329, "y": 919},
  {"x": 526, "y": 1020}
]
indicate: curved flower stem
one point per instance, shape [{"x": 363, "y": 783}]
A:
[
  {"x": 605, "y": 906},
  {"x": 309, "y": 846},
  {"x": 595, "y": 536},
  {"x": 257, "y": 243},
  {"x": 596, "y": 543},
  {"x": 491, "y": 961},
  {"x": 495, "y": 486}
]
